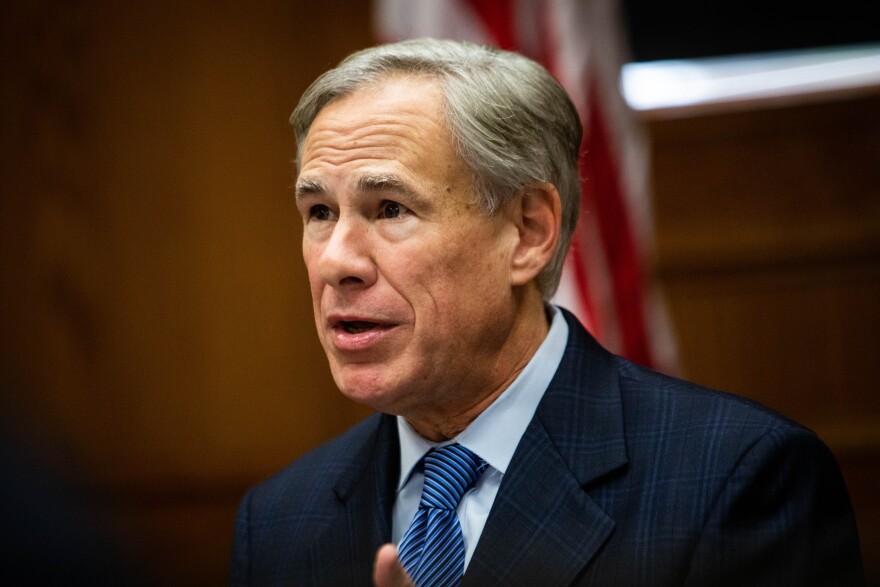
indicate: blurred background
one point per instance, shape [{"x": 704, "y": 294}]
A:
[{"x": 158, "y": 353}]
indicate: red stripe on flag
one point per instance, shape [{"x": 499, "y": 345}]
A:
[
  {"x": 497, "y": 17},
  {"x": 616, "y": 232}
]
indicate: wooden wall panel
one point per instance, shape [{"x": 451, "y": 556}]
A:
[
  {"x": 157, "y": 323},
  {"x": 799, "y": 335}
]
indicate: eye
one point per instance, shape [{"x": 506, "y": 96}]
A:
[
  {"x": 389, "y": 210},
  {"x": 320, "y": 212}
]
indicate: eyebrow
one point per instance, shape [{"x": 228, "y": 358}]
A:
[
  {"x": 306, "y": 187},
  {"x": 368, "y": 183},
  {"x": 385, "y": 183}
]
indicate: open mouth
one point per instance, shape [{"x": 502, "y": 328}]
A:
[{"x": 356, "y": 327}]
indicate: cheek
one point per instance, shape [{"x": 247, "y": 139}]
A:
[
  {"x": 457, "y": 288},
  {"x": 478, "y": 263},
  {"x": 310, "y": 255}
]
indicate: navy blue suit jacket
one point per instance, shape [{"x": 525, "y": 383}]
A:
[{"x": 623, "y": 477}]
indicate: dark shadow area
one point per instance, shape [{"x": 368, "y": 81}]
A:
[
  {"x": 691, "y": 29},
  {"x": 52, "y": 530}
]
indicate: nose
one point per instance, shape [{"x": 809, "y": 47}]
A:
[{"x": 345, "y": 260}]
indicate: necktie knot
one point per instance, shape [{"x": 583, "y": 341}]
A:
[{"x": 450, "y": 471}]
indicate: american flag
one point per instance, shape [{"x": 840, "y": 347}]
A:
[{"x": 582, "y": 43}]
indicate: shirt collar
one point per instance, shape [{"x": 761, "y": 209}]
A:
[{"x": 495, "y": 433}]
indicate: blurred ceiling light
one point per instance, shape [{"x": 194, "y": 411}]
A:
[{"x": 679, "y": 86}]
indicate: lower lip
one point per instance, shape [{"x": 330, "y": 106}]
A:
[{"x": 349, "y": 341}]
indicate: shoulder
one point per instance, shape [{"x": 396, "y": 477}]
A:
[
  {"x": 278, "y": 519},
  {"x": 661, "y": 404},
  {"x": 314, "y": 475},
  {"x": 709, "y": 481},
  {"x": 766, "y": 491},
  {"x": 668, "y": 404},
  {"x": 668, "y": 423},
  {"x": 721, "y": 450}
]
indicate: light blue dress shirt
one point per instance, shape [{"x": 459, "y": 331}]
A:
[{"x": 493, "y": 435}]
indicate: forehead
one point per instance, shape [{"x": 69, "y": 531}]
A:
[
  {"x": 411, "y": 99},
  {"x": 398, "y": 93},
  {"x": 396, "y": 124}
]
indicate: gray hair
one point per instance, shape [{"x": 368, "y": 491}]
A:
[{"x": 512, "y": 124}]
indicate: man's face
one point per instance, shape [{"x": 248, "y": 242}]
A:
[{"x": 410, "y": 281}]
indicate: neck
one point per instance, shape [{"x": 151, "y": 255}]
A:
[{"x": 448, "y": 421}]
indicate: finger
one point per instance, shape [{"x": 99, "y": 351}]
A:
[{"x": 387, "y": 570}]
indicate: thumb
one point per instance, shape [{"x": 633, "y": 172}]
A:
[{"x": 387, "y": 570}]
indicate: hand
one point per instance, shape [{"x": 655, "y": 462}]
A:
[{"x": 387, "y": 570}]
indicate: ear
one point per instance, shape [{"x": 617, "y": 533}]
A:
[{"x": 538, "y": 217}]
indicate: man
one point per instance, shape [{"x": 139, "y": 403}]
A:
[{"x": 438, "y": 186}]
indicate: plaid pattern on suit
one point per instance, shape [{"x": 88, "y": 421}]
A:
[{"x": 623, "y": 477}]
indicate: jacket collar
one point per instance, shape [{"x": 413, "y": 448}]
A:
[
  {"x": 582, "y": 409},
  {"x": 544, "y": 528}
]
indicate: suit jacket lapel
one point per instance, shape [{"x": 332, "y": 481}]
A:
[
  {"x": 544, "y": 528},
  {"x": 344, "y": 552}
]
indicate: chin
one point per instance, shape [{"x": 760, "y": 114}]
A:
[
  {"x": 385, "y": 399},
  {"x": 369, "y": 391}
]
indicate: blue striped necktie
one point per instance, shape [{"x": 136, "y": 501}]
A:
[{"x": 432, "y": 550}]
